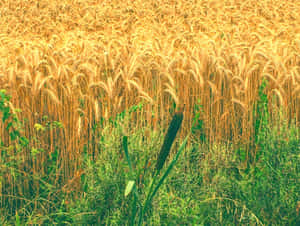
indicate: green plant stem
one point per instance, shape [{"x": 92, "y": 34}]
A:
[
  {"x": 148, "y": 200},
  {"x": 151, "y": 194}
]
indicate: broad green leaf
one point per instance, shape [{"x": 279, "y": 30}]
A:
[{"x": 129, "y": 187}]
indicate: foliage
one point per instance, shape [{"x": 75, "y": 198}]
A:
[{"x": 216, "y": 184}]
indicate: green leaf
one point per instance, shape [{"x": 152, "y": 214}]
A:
[
  {"x": 14, "y": 134},
  {"x": 125, "y": 146},
  {"x": 18, "y": 222},
  {"x": 34, "y": 151},
  {"x": 129, "y": 187},
  {"x": 39, "y": 127},
  {"x": 58, "y": 124},
  {"x": 6, "y": 113},
  {"x": 24, "y": 141},
  {"x": 9, "y": 125}
]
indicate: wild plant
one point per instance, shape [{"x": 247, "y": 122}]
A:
[
  {"x": 24, "y": 191},
  {"x": 137, "y": 207}
]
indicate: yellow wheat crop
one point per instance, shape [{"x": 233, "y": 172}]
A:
[{"x": 83, "y": 60}]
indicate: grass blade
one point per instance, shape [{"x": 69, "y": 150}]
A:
[{"x": 125, "y": 146}]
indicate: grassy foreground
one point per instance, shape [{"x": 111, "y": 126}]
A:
[{"x": 219, "y": 184}]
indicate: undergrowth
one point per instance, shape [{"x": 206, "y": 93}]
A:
[{"x": 219, "y": 184}]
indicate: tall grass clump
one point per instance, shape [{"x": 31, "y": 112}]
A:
[{"x": 161, "y": 159}]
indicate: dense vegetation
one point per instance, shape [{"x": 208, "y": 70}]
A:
[
  {"x": 92, "y": 94},
  {"x": 211, "y": 184}
]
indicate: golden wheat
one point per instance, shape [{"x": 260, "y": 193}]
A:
[{"x": 79, "y": 61}]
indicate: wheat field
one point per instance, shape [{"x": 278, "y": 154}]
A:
[{"x": 80, "y": 61}]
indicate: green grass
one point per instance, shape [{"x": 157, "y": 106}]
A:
[{"x": 210, "y": 184}]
